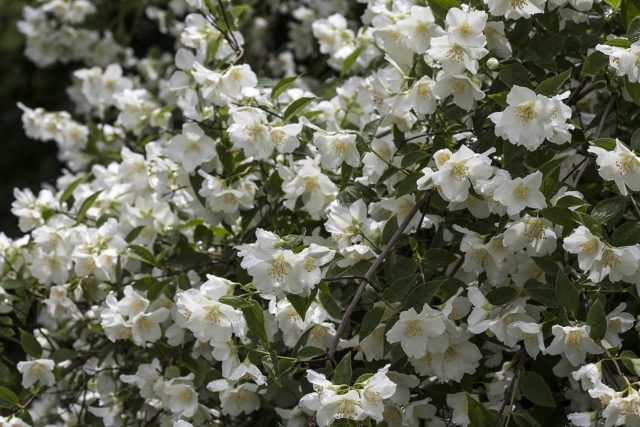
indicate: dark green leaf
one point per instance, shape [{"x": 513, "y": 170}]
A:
[
  {"x": 626, "y": 235},
  {"x": 282, "y": 85},
  {"x": 342, "y": 373},
  {"x": 350, "y": 60},
  {"x": 559, "y": 215},
  {"x": 86, "y": 205},
  {"x": 566, "y": 292},
  {"x": 633, "y": 32},
  {"x": 502, "y": 295},
  {"x": 370, "y": 321},
  {"x": 552, "y": 85},
  {"x": 597, "y": 321},
  {"x": 525, "y": 419},
  {"x": 633, "y": 89},
  {"x": 478, "y": 414},
  {"x": 441, "y": 7},
  {"x": 310, "y": 352},
  {"x": 607, "y": 210},
  {"x": 143, "y": 254},
  {"x": 9, "y": 396},
  {"x": 66, "y": 194},
  {"x": 296, "y": 106},
  {"x": 515, "y": 74},
  {"x": 533, "y": 387},
  {"x": 255, "y": 322},
  {"x": 30, "y": 345}
]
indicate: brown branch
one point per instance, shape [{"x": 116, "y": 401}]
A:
[{"x": 369, "y": 274}]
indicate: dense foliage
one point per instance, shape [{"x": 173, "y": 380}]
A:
[{"x": 390, "y": 213}]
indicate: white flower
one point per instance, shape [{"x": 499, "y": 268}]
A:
[
  {"x": 511, "y": 9},
  {"x": 146, "y": 326},
  {"x": 531, "y": 334},
  {"x": 421, "y": 96},
  {"x": 588, "y": 247},
  {"x": 191, "y": 148},
  {"x": 464, "y": 90},
  {"x": 236, "y": 399},
  {"x": 527, "y": 119},
  {"x": 37, "y": 371},
  {"x": 276, "y": 270},
  {"x": 183, "y": 399},
  {"x": 250, "y": 132},
  {"x": 458, "y": 171},
  {"x": 520, "y": 193},
  {"x": 304, "y": 179},
  {"x": 375, "y": 390},
  {"x": 620, "y": 165},
  {"x": 574, "y": 342},
  {"x": 460, "y": 405},
  {"x": 418, "y": 332},
  {"x": 346, "y": 406},
  {"x": 336, "y": 149},
  {"x": 536, "y": 235}
]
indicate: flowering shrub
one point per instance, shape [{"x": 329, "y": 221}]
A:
[{"x": 391, "y": 213}]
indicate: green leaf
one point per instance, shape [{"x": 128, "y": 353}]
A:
[
  {"x": 296, "y": 106},
  {"x": 590, "y": 222},
  {"x": 255, "y": 321},
  {"x": 350, "y": 60},
  {"x": 633, "y": 32},
  {"x": 630, "y": 9},
  {"x": 478, "y": 414},
  {"x": 30, "y": 344},
  {"x": 301, "y": 303},
  {"x": 436, "y": 258},
  {"x": 143, "y": 254},
  {"x": 389, "y": 228},
  {"x": 559, "y": 215},
  {"x": 310, "y": 352},
  {"x": 157, "y": 289},
  {"x": 271, "y": 365},
  {"x": 633, "y": 89},
  {"x": 566, "y": 292},
  {"x": 547, "y": 265},
  {"x": 502, "y": 295},
  {"x": 66, "y": 194},
  {"x": 281, "y": 86},
  {"x": 634, "y": 142},
  {"x": 626, "y": 235},
  {"x": 408, "y": 185},
  {"x": 441, "y": 7},
  {"x": 327, "y": 301},
  {"x": 369, "y": 131},
  {"x": 606, "y": 143},
  {"x": 524, "y": 419},
  {"x": 607, "y": 210},
  {"x": 9, "y": 396},
  {"x": 533, "y": 387},
  {"x": 613, "y": 3},
  {"x": 552, "y": 85},
  {"x": 133, "y": 234},
  {"x": 370, "y": 321},
  {"x": 235, "y": 301},
  {"x": 515, "y": 74},
  {"x": 594, "y": 63},
  {"x": 62, "y": 354},
  {"x": 86, "y": 205},
  {"x": 13, "y": 284},
  {"x": 597, "y": 321},
  {"x": 342, "y": 374}
]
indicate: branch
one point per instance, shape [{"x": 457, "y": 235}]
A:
[
  {"x": 369, "y": 274},
  {"x": 519, "y": 358}
]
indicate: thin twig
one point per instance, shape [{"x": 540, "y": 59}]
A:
[
  {"x": 519, "y": 358},
  {"x": 369, "y": 274}
]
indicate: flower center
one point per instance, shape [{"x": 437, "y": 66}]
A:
[
  {"x": 526, "y": 112},
  {"x": 413, "y": 329}
]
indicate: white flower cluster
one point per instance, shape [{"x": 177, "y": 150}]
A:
[{"x": 222, "y": 238}]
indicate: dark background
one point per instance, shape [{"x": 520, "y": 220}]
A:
[{"x": 24, "y": 162}]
